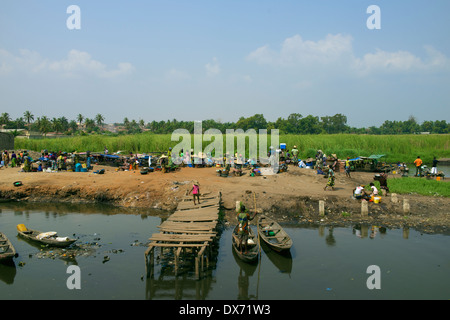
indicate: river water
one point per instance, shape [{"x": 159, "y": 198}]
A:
[{"x": 324, "y": 263}]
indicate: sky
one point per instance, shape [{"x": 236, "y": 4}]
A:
[{"x": 225, "y": 59}]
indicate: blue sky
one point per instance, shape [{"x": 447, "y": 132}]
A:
[{"x": 197, "y": 60}]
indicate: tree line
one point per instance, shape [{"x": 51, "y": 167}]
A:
[{"x": 295, "y": 123}]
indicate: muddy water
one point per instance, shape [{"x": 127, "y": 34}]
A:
[{"x": 324, "y": 263}]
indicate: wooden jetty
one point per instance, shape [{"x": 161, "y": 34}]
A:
[{"x": 191, "y": 229}]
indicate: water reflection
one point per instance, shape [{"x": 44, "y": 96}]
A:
[
  {"x": 322, "y": 257},
  {"x": 282, "y": 261},
  {"x": 246, "y": 271},
  {"x": 177, "y": 283},
  {"x": 8, "y": 272},
  {"x": 57, "y": 209}
]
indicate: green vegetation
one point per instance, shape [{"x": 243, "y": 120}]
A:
[
  {"x": 295, "y": 124},
  {"x": 404, "y": 148},
  {"x": 420, "y": 186},
  {"x": 137, "y": 143}
]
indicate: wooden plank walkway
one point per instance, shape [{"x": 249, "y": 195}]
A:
[{"x": 191, "y": 227}]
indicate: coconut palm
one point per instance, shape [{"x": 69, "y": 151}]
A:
[
  {"x": 89, "y": 124},
  {"x": 45, "y": 125},
  {"x": 28, "y": 118},
  {"x": 99, "y": 119},
  {"x": 56, "y": 124},
  {"x": 80, "y": 119},
  {"x": 4, "y": 119}
]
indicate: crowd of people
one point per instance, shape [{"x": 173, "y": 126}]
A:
[
  {"x": 13, "y": 159},
  {"x": 229, "y": 165},
  {"x": 48, "y": 161}
]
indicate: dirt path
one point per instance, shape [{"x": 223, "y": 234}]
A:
[{"x": 289, "y": 196}]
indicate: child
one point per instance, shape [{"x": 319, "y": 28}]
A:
[{"x": 196, "y": 192}]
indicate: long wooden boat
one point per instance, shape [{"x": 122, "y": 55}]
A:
[
  {"x": 47, "y": 238},
  {"x": 273, "y": 234},
  {"x": 7, "y": 250},
  {"x": 252, "y": 246}
]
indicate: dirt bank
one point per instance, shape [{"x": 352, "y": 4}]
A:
[{"x": 292, "y": 196}]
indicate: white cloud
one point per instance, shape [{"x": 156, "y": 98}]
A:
[
  {"x": 213, "y": 69},
  {"x": 296, "y": 51},
  {"x": 337, "y": 51},
  {"x": 76, "y": 64},
  {"x": 386, "y": 62}
]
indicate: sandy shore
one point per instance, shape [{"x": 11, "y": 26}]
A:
[{"x": 289, "y": 196}]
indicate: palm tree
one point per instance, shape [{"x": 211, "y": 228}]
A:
[
  {"x": 4, "y": 119},
  {"x": 45, "y": 125},
  {"x": 64, "y": 123},
  {"x": 28, "y": 118},
  {"x": 99, "y": 119},
  {"x": 80, "y": 119},
  {"x": 89, "y": 124},
  {"x": 56, "y": 124},
  {"x": 73, "y": 125}
]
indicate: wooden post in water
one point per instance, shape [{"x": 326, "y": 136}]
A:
[
  {"x": 364, "y": 208},
  {"x": 197, "y": 260},
  {"x": 321, "y": 207},
  {"x": 177, "y": 257},
  {"x": 149, "y": 260}
]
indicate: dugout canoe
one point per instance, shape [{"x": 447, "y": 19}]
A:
[
  {"x": 7, "y": 250},
  {"x": 48, "y": 238},
  {"x": 273, "y": 234},
  {"x": 252, "y": 246}
]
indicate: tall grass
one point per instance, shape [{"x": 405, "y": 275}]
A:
[
  {"x": 404, "y": 148},
  {"x": 138, "y": 143},
  {"x": 420, "y": 186}
]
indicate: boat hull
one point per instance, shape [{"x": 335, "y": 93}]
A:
[
  {"x": 7, "y": 250},
  {"x": 273, "y": 235},
  {"x": 32, "y": 234},
  {"x": 253, "y": 248}
]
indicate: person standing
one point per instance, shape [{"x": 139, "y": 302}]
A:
[
  {"x": 418, "y": 163},
  {"x": 243, "y": 218},
  {"x": 195, "y": 192},
  {"x": 5, "y": 158},
  {"x": 347, "y": 167},
  {"x": 13, "y": 159},
  {"x": 434, "y": 167},
  {"x": 295, "y": 155}
]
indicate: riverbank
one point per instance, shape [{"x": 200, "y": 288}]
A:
[{"x": 292, "y": 196}]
